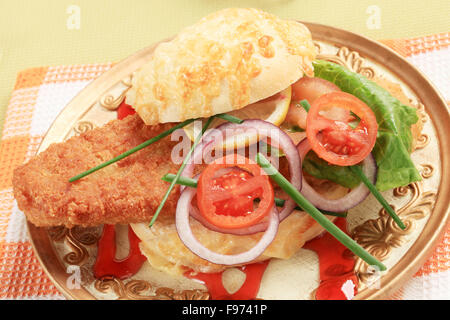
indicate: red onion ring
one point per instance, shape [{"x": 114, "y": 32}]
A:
[
  {"x": 187, "y": 237},
  {"x": 263, "y": 129},
  {"x": 350, "y": 200}
]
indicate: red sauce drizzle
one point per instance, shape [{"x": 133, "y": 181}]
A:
[
  {"x": 124, "y": 110},
  {"x": 248, "y": 290},
  {"x": 336, "y": 265},
  {"x": 106, "y": 263}
]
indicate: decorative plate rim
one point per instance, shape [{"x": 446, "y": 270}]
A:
[{"x": 436, "y": 107}]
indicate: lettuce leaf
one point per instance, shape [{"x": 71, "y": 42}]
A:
[
  {"x": 394, "y": 140},
  {"x": 320, "y": 169}
]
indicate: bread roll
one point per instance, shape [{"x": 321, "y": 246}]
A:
[
  {"x": 227, "y": 60},
  {"x": 165, "y": 251}
]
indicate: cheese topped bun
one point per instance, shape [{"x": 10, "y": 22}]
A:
[{"x": 229, "y": 59}]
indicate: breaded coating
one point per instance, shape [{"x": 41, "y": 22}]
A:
[{"x": 128, "y": 191}]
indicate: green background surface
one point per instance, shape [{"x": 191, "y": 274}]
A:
[{"x": 35, "y": 32}]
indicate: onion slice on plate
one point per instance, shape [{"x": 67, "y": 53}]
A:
[
  {"x": 187, "y": 237},
  {"x": 350, "y": 200}
]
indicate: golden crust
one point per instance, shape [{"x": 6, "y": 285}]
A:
[
  {"x": 226, "y": 61},
  {"x": 127, "y": 191}
]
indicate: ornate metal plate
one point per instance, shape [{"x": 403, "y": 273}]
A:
[{"x": 66, "y": 254}]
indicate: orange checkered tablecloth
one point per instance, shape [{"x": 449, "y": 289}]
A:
[{"x": 41, "y": 93}]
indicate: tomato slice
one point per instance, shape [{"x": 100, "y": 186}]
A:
[
  {"x": 309, "y": 89},
  {"x": 333, "y": 137},
  {"x": 228, "y": 200},
  {"x": 240, "y": 205}
]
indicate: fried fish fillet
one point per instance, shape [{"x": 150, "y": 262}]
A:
[{"x": 125, "y": 192}]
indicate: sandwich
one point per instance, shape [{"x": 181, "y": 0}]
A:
[{"x": 246, "y": 64}]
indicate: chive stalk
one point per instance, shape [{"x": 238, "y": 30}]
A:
[
  {"x": 131, "y": 151},
  {"x": 184, "y": 181},
  {"x": 341, "y": 236},
  {"x": 358, "y": 171},
  {"x": 229, "y": 117},
  {"x": 162, "y": 135},
  {"x": 305, "y": 104}
]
